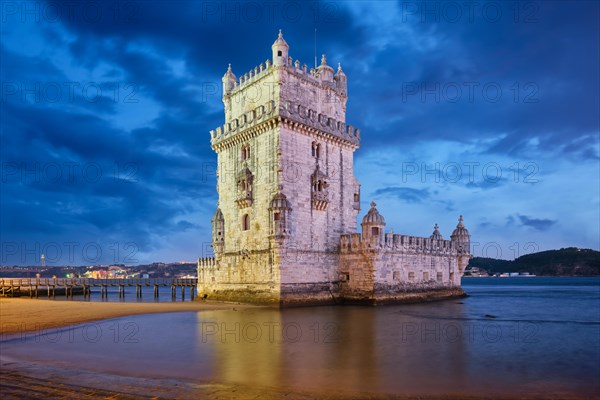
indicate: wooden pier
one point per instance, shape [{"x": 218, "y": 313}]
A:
[{"x": 33, "y": 287}]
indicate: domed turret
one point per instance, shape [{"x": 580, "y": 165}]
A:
[
  {"x": 324, "y": 71},
  {"x": 462, "y": 240},
  {"x": 341, "y": 81},
  {"x": 373, "y": 225},
  {"x": 229, "y": 80},
  {"x": 460, "y": 234},
  {"x": 218, "y": 231},
  {"x": 280, "y": 202},
  {"x": 436, "y": 233},
  {"x": 280, "y": 51},
  {"x": 279, "y": 211}
]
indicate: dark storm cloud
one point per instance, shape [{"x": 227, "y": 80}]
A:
[
  {"x": 536, "y": 223},
  {"x": 487, "y": 184},
  {"x": 410, "y": 195},
  {"x": 505, "y": 80}
]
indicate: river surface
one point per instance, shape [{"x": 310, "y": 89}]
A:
[{"x": 512, "y": 336}]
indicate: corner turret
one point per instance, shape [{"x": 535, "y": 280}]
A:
[
  {"x": 229, "y": 81},
  {"x": 218, "y": 232},
  {"x": 462, "y": 240},
  {"x": 279, "y": 211},
  {"x": 280, "y": 51},
  {"x": 373, "y": 227},
  {"x": 341, "y": 81}
]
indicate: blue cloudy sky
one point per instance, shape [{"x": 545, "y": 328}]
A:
[{"x": 486, "y": 109}]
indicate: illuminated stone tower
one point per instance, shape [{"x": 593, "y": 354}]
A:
[{"x": 284, "y": 231}]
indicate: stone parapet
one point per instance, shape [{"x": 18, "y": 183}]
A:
[
  {"x": 351, "y": 243},
  {"x": 290, "y": 113}
]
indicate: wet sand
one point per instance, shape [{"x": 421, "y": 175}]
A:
[
  {"x": 19, "y": 315},
  {"x": 18, "y": 381}
]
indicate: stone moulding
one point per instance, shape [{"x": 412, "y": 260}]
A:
[{"x": 291, "y": 115}]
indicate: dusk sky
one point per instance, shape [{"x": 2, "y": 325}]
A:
[{"x": 485, "y": 109}]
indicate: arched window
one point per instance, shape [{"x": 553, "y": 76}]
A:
[
  {"x": 245, "y": 222},
  {"x": 245, "y": 152},
  {"x": 276, "y": 216},
  {"x": 316, "y": 149}
]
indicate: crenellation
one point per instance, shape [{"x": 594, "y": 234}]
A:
[{"x": 295, "y": 112}]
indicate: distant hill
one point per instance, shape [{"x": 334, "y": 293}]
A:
[{"x": 570, "y": 261}]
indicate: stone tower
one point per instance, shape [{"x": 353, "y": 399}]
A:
[{"x": 285, "y": 181}]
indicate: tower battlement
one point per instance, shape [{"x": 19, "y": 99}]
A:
[
  {"x": 289, "y": 112},
  {"x": 397, "y": 243}
]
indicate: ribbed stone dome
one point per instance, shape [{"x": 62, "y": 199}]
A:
[
  {"x": 280, "y": 201},
  {"x": 373, "y": 216},
  {"x": 436, "y": 233},
  {"x": 460, "y": 231},
  {"x": 280, "y": 41},
  {"x": 218, "y": 215}
]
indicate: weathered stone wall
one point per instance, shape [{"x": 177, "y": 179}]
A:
[
  {"x": 251, "y": 277},
  {"x": 314, "y": 228},
  {"x": 398, "y": 264}
]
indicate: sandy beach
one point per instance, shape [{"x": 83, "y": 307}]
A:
[{"x": 19, "y": 315}]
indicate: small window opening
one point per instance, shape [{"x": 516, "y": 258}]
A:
[
  {"x": 245, "y": 222},
  {"x": 375, "y": 231},
  {"x": 276, "y": 216},
  {"x": 279, "y": 53}
]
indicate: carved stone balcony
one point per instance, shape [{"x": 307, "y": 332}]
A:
[
  {"x": 320, "y": 200},
  {"x": 244, "y": 199}
]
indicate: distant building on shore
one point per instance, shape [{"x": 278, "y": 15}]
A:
[{"x": 285, "y": 229}]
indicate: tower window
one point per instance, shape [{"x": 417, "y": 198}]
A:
[
  {"x": 245, "y": 222},
  {"x": 279, "y": 54},
  {"x": 316, "y": 149},
  {"x": 375, "y": 231},
  {"x": 245, "y": 152},
  {"x": 276, "y": 216},
  {"x": 356, "y": 197}
]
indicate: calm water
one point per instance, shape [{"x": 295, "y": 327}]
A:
[{"x": 512, "y": 336}]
